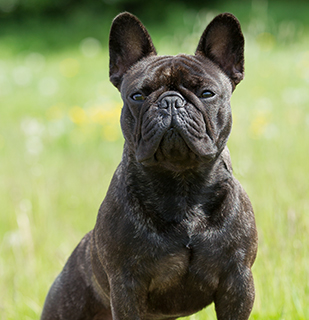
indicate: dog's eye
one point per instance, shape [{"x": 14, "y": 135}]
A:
[
  {"x": 207, "y": 94},
  {"x": 137, "y": 97}
]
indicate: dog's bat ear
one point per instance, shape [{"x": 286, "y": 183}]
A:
[
  {"x": 129, "y": 42},
  {"x": 223, "y": 43}
]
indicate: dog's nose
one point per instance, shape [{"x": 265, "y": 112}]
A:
[{"x": 173, "y": 100}]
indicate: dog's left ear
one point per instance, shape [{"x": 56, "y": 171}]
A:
[
  {"x": 129, "y": 42},
  {"x": 223, "y": 43}
]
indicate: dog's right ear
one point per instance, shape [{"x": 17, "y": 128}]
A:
[{"x": 129, "y": 42}]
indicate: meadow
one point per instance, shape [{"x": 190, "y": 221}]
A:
[{"x": 60, "y": 142}]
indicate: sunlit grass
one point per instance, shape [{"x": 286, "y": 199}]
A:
[{"x": 60, "y": 142}]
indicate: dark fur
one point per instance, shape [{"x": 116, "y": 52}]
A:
[{"x": 176, "y": 230}]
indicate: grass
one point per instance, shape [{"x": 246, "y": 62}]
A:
[{"x": 60, "y": 142}]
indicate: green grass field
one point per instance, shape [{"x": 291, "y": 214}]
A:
[{"x": 60, "y": 142}]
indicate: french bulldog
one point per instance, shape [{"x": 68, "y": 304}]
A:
[{"x": 176, "y": 231}]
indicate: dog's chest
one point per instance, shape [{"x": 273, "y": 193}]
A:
[
  {"x": 182, "y": 283},
  {"x": 170, "y": 269},
  {"x": 182, "y": 255}
]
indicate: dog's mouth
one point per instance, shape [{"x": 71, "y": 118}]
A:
[
  {"x": 172, "y": 152},
  {"x": 173, "y": 149}
]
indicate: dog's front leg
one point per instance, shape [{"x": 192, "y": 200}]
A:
[
  {"x": 128, "y": 299},
  {"x": 235, "y": 296}
]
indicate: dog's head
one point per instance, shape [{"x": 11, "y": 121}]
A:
[{"x": 176, "y": 111}]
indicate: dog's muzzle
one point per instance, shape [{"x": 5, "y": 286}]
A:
[
  {"x": 172, "y": 146},
  {"x": 172, "y": 130}
]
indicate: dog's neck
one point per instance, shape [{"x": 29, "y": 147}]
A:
[{"x": 164, "y": 195}]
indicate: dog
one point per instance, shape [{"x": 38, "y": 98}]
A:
[{"x": 176, "y": 231}]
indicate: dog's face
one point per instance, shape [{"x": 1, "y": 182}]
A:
[{"x": 176, "y": 111}]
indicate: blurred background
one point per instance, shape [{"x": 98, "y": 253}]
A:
[{"x": 60, "y": 139}]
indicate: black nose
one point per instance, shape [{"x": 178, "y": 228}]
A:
[{"x": 171, "y": 100}]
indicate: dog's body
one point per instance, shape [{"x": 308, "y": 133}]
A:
[{"x": 176, "y": 230}]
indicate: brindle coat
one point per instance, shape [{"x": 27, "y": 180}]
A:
[{"x": 176, "y": 230}]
